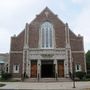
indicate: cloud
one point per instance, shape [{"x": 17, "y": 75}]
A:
[
  {"x": 83, "y": 25},
  {"x": 15, "y": 13},
  {"x": 4, "y": 40},
  {"x": 77, "y": 1},
  {"x": 13, "y": 16},
  {"x": 82, "y": 3}
]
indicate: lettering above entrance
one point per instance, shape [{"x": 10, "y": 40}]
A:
[{"x": 47, "y": 55}]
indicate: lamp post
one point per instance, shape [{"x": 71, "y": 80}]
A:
[{"x": 73, "y": 70}]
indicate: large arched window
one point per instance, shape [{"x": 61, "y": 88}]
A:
[{"x": 46, "y": 35}]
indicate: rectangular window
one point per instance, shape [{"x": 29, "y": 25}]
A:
[
  {"x": 78, "y": 67},
  {"x": 16, "y": 68}
]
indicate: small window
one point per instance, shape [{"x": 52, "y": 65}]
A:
[
  {"x": 7, "y": 68},
  {"x": 78, "y": 67},
  {"x": 16, "y": 68}
]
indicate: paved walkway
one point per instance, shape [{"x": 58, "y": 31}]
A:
[{"x": 46, "y": 86}]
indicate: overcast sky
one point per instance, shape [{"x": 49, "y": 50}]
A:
[{"x": 15, "y": 13}]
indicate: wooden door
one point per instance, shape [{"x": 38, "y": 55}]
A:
[
  {"x": 60, "y": 69},
  {"x": 33, "y": 69}
]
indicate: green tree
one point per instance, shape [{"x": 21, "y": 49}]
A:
[{"x": 88, "y": 61}]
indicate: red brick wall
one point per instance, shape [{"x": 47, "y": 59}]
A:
[
  {"x": 58, "y": 27},
  {"x": 14, "y": 60},
  {"x": 77, "y": 44},
  {"x": 17, "y": 43},
  {"x": 34, "y": 27},
  {"x": 79, "y": 59}
]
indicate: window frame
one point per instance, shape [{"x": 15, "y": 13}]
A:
[
  {"x": 16, "y": 68},
  {"x": 78, "y": 67},
  {"x": 46, "y": 42}
]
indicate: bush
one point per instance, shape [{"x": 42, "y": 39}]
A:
[
  {"x": 88, "y": 72},
  {"x": 80, "y": 75},
  {"x": 1, "y": 85},
  {"x": 6, "y": 76},
  {"x": 88, "y": 76}
]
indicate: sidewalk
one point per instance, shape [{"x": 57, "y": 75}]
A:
[{"x": 46, "y": 86}]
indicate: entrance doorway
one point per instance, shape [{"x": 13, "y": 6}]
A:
[
  {"x": 47, "y": 69},
  {"x": 60, "y": 68},
  {"x": 33, "y": 68}
]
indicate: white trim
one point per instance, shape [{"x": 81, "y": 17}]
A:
[
  {"x": 43, "y": 26},
  {"x": 85, "y": 62},
  {"x": 39, "y": 49},
  {"x": 16, "y": 51},
  {"x": 78, "y": 67},
  {"x": 70, "y": 61},
  {"x": 77, "y": 51},
  {"x": 23, "y": 62},
  {"x": 39, "y": 68},
  {"x": 68, "y": 49},
  {"x": 26, "y": 37},
  {"x": 16, "y": 67},
  {"x": 66, "y": 71},
  {"x": 27, "y": 63},
  {"x": 56, "y": 66},
  {"x": 9, "y": 64}
]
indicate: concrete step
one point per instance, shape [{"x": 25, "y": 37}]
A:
[
  {"x": 46, "y": 89},
  {"x": 48, "y": 80}
]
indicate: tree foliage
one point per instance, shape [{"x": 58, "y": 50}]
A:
[
  {"x": 88, "y": 61},
  {"x": 80, "y": 75},
  {"x": 88, "y": 56}
]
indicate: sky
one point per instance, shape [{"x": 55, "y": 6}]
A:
[{"x": 14, "y": 14}]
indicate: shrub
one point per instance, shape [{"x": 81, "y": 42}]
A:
[
  {"x": 1, "y": 85},
  {"x": 6, "y": 76},
  {"x": 88, "y": 76},
  {"x": 80, "y": 75}
]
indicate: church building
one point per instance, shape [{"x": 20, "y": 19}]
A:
[{"x": 46, "y": 48}]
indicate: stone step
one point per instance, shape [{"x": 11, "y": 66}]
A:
[
  {"x": 47, "y": 89},
  {"x": 48, "y": 80}
]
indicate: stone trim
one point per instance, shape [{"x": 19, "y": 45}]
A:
[
  {"x": 26, "y": 37},
  {"x": 56, "y": 68},
  {"x": 16, "y": 51},
  {"x": 68, "y": 52},
  {"x": 77, "y": 51},
  {"x": 39, "y": 68},
  {"x": 85, "y": 63},
  {"x": 67, "y": 36},
  {"x": 38, "y": 49},
  {"x": 23, "y": 62},
  {"x": 70, "y": 60},
  {"x": 9, "y": 64},
  {"x": 27, "y": 63},
  {"x": 66, "y": 65},
  {"x": 40, "y": 37}
]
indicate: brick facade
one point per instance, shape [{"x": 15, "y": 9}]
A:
[{"x": 17, "y": 42}]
